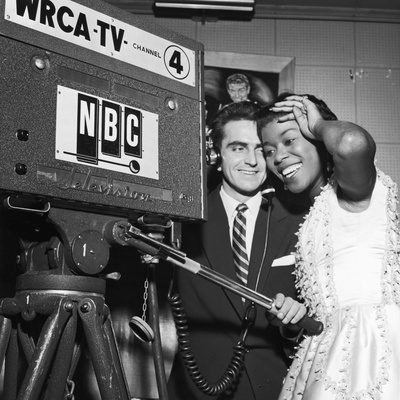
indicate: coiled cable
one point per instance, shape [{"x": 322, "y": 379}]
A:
[{"x": 239, "y": 350}]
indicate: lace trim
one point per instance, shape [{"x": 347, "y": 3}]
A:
[
  {"x": 391, "y": 274},
  {"x": 323, "y": 308},
  {"x": 341, "y": 387},
  {"x": 306, "y": 273}
]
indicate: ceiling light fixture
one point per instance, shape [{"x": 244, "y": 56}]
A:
[{"x": 208, "y": 5}]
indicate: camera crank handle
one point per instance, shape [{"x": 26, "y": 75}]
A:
[{"x": 310, "y": 325}]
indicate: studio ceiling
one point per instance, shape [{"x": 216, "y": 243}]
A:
[{"x": 358, "y": 10}]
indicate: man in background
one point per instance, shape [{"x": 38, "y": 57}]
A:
[
  {"x": 214, "y": 314},
  {"x": 238, "y": 87}
]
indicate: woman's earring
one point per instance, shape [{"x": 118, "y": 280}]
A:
[{"x": 329, "y": 168}]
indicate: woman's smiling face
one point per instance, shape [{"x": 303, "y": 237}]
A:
[{"x": 292, "y": 157}]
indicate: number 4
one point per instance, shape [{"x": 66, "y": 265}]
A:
[{"x": 175, "y": 62}]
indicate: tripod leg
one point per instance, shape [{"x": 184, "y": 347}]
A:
[
  {"x": 112, "y": 343},
  {"x": 11, "y": 367},
  {"x": 157, "y": 345},
  {"x": 107, "y": 368},
  {"x": 43, "y": 354},
  {"x": 5, "y": 331},
  {"x": 26, "y": 342},
  {"x": 56, "y": 386}
]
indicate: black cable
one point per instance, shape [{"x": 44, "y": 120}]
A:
[{"x": 234, "y": 368}]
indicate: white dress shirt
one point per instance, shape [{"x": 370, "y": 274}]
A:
[{"x": 251, "y": 214}]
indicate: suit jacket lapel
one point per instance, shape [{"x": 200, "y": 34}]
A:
[
  {"x": 274, "y": 243},
  {"x": 217, "y": 245}
]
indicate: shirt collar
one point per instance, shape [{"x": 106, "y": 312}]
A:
[{"x": 230, "y": 204}]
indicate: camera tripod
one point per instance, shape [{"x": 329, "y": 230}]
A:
[
  {"x": 59, "y": 308},
  {"x": 42, "y": 323}
]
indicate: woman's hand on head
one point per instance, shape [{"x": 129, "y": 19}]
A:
[{"x": 303, "y": 111}]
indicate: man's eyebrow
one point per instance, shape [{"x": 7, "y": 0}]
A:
[
  {"x": 237, "y": 143},
  {"x": 243, "y": 144}
]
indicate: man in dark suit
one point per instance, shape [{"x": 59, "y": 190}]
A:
[{"x": 214, "y": 314}]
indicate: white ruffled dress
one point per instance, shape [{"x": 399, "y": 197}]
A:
[{"x": 348, "y": 272}]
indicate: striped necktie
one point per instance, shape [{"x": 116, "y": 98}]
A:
[{"x": 239, "y": 244}]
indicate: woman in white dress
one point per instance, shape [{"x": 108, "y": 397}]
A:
[{"x": 348, "y": 252}]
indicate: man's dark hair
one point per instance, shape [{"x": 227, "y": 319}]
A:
[{"x": 243, "y": 110}]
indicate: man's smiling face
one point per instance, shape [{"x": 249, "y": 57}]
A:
[{"x": 242, "y": 160}]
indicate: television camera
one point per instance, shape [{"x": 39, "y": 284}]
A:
[{"x": 101, "y": 121}]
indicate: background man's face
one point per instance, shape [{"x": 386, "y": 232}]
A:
[
  {"x": 238, "y": 92},
  {"x": 243, "y": 164}
]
